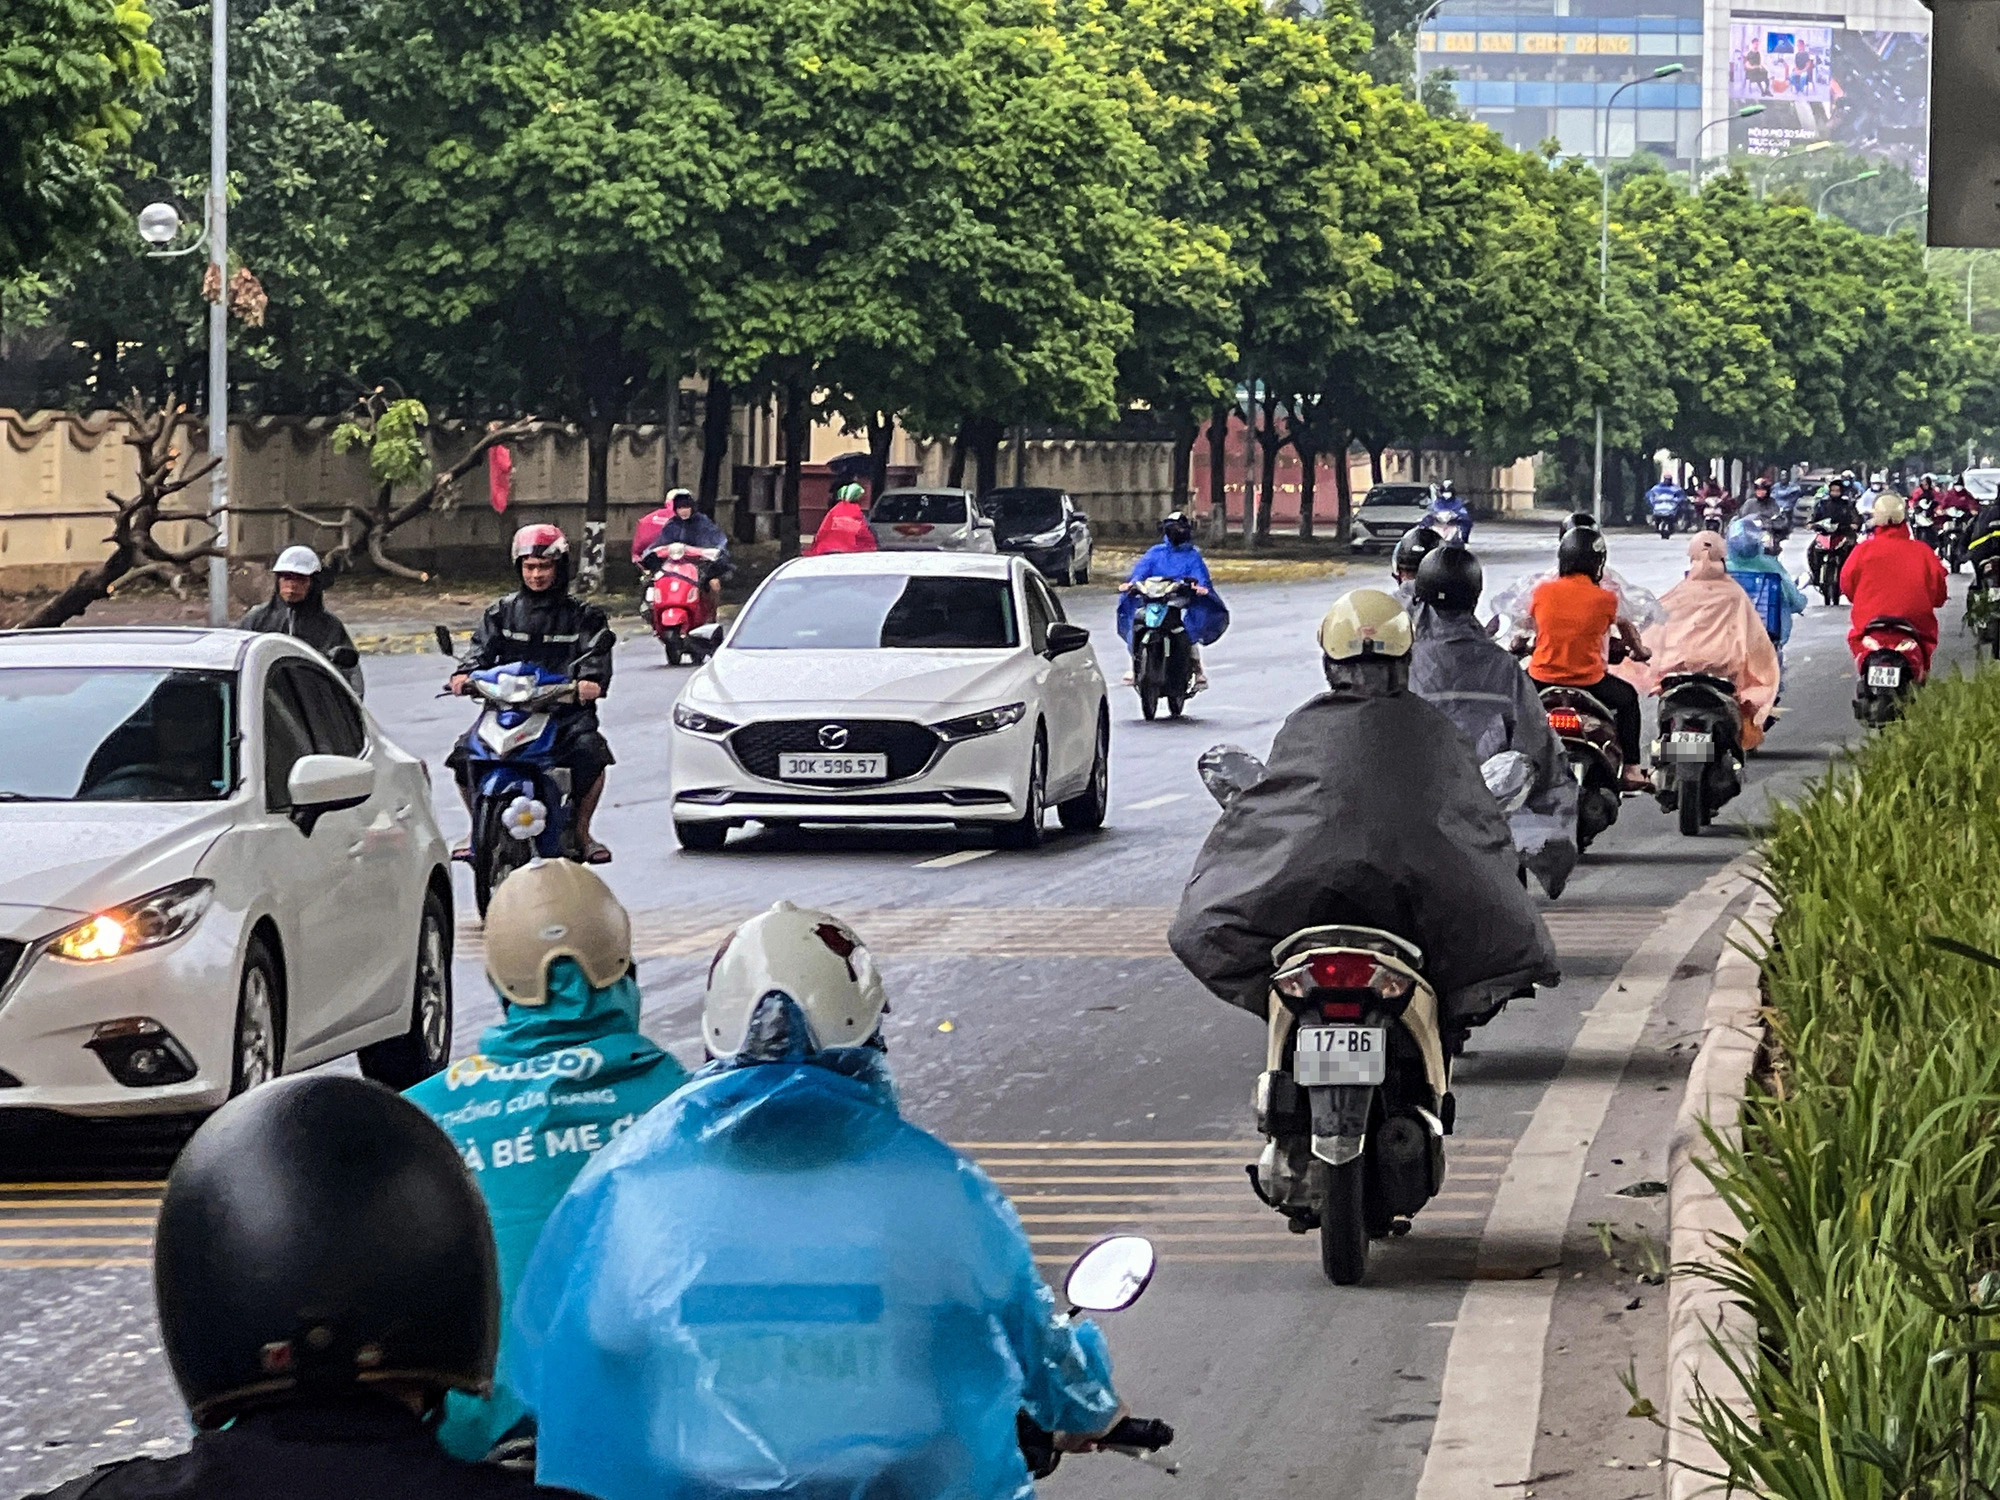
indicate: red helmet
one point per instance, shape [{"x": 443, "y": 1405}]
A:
[{"x": 541, "y": 540}]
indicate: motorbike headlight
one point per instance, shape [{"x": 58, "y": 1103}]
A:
[
  {"x": 694, "y": 721},
  {"x": 148, "y": 922},
  {"x": 973, "y": 725}
]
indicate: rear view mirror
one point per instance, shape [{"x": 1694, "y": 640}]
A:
[
  {"x": 1065, "y": 638},
  {"x": 443, "y": 638},
  {"x": 603, "y": 641},
  {"x": 320, "y": 784},
  {"x": 1111, "y": 1275},
  {"x": 346, "y": 658},
  {"x": 709, "y": 635}
]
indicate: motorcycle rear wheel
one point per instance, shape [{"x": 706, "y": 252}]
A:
[
  {"x": 1343, "y": 1223},
  {"x": 672, "y": 643},
  {"x": 1689, "y": 806},
  {"x": 1666, "y": 530}
]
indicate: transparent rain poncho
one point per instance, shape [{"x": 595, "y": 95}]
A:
[{"x": 774, "y": 1285}]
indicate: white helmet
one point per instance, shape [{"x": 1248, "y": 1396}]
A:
[
  {"x": 811, "y": 956},
  {"x": 551, "y": 909},
  {"x": 301, "y": 560},
  {"x": 1365, "y": 623}
]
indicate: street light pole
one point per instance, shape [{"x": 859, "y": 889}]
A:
[
  {"x": 1820, "y": 206},
  {"x": 218, "y": 311},
  {"x": 1694, "y": 166},
  {"x": 1764, "y": 177},
  {"x": 1417, "y": 43},
  {"x": 1604, "y": 262}
]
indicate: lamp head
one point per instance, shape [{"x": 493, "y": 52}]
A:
[{"x": 159, "y": 223}]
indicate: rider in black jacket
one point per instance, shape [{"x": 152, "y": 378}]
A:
[
  {"x": 541, "y": 624},
  {"x": 325, "y": 1273},
  {"x": 1837, "y": 504},
  {"x": 297, "y": 608}
]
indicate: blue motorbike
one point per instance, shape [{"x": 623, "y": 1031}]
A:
[
  {"x": 1670, "y": 511},
  {"x": 1451, "y": 520},
  {"x": 523, "y": 806}
]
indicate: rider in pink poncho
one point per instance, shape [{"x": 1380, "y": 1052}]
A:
[{"x": 1712, "y": 627}]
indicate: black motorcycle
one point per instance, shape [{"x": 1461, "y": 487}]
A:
[
  {"x": 1924, "y": 523},
  {"x": 1698, "y": 758},
  {"x": 1589, "y": 734},
  {"x": 1982, "y": 606},
  {"x": 1953, "y": 538},
  {"x": 1832, "y": 544},
  {"x": 1888, "y": 670},
  {"x": 1162, "y": 654}
]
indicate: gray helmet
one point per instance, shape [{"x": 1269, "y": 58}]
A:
[{"x": 1416, "y": 544}]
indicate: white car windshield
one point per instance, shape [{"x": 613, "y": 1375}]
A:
[
  {"x": 1397, "y": 494},
  {"x": 74, "y": 734},
  {"x": 879, "y": 611},
  {"x": 919, "y": 507}
]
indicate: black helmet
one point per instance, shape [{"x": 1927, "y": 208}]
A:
[
  {"x": 1581, "y": 550},
  {"x": 1450, "y": 578},
  {"x": 1575, "y": 519},
  {"x": 1177, "y": 528},
  {"x": 320, "y": 1233},
  {"x": 1416, "y": 544}
]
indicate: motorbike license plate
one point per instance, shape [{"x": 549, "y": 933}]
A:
[
  {"x": 1887, "y": 677},
  {"x": 1333, "y": 1056},
  {"x": 1688, "y": 747},
  {"x": 833, "y": 767}
]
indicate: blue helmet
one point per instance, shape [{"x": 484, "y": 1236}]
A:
[{"x": 1745, "y": 538}]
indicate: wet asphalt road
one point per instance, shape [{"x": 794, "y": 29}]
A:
[{"x": 1039, "y": 1021}]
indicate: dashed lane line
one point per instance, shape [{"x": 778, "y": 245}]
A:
[
  {"x": 947, "y": 861},
  {"x": 1152, "y": 802}
]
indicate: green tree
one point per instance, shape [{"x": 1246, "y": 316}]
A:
[{"x": 71, "y": 74}]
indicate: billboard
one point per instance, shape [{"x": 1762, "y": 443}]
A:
[{"x": 1865, "y": 91}]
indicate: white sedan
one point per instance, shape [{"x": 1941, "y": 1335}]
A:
[
  {"x": 894, "y": 688},
  {"x": 222, "y": 870}
]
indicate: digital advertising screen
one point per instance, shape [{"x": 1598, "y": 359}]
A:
[{"x": 1865, "y": 91}]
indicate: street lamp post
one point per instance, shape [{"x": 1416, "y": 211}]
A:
[
  {"x": 1820, "y": 206},
  {"x": 218, "y": 310},
  {"x": 1604, "y": 261},
  {"x": 1764, "y": 177},
  {"x": 1694, "y": 166},
  {"x": 1417, "y": 42}
]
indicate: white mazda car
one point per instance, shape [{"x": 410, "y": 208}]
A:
[
  {"x": 222, "y": 870},
  {"x": 894, "y": 688}
]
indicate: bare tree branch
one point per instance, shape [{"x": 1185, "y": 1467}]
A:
[{"x": 388, "y": 564}]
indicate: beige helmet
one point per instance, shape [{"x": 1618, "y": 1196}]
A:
[
  {"x": 812, "y": 956},
  {"x": 1891, "y": 509},
  {"x": 1365, "y": 623},
  {"x": 551, "y": 909}
]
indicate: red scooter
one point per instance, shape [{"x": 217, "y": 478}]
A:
[{"x": 676, "y": 603}]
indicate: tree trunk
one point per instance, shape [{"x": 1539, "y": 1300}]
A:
[
  {"x": 1308, "y": 483},
  {"x": 1271, "y": 441},
  {"x": 979, "y": 440},
  {"x": 596, "y": 500},
  {"x": 670, "y": 462},
  {"x": 80, "y": 595},
  {"x": 718, "y": 407},
  {"x": 955, "y": 477},
  {"x": 1343, "y": 488},
  {"x": 1186, "y": 430},
  {"x": 797, "y": 433},
  {"x": 1218, "y": 472},
  {"x": 1250, "y": 465},
  {"x": 1375, "y": 462},
  {"x": 881, "y": 436}
]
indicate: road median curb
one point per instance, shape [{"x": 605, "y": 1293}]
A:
[{"x": 1699, "y": 1313}]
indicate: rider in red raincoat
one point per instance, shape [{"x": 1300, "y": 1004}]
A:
[
  {"x": 1893, "y": 574},
  {"x": 845, "y": 527}
]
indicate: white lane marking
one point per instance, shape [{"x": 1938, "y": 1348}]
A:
[
  {"x": 1152, "y": 802},
  {"x": 946, "y": 861},
  {"x": 1490, "y": 1403}
]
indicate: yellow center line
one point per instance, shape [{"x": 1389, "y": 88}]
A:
[
  {"x": 12, "y": 1206},
  {"x": 72, "y": 1241},
  {"x": 93, "y": 1223},
  {"x": 75, "y": 1263},
  {"x": 79, "y": 1187}
]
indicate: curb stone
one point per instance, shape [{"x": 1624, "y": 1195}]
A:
[{"x": 1732, "y": 1032}]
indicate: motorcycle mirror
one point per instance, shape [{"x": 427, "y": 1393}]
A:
[
  {"x": 443, "y": 638},
  {"x": 345, "y": 657},
  {"x": 1509, "y": 776},
  {"x": 709, "y": 634},
  {"x": 1228, "y": 771},
  {"x": 1111, "y": 1275},
  {"x": 604, "y": 640}
]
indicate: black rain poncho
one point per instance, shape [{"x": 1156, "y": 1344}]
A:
[{"x": 1372, "y": 812}]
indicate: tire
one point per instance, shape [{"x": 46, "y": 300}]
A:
[
  {"x": 1085, "y": 812},
  {"x": 1689, "y": 806},
  {"x": 1147, "y": 681},
  {"x": 672, "y": 643},
  {"x": 1343, "y": 1223},
  {"x": 496, "y": 854},
  {"x": 257, "y": 1046},
  {"x": 1026, "y": 831},
  {"x": 701, "y": 838},
  {"x": 1666, "y": 530},
  {"x": 405, "y": 1061},
  {"x": 1083, "y": 573}
]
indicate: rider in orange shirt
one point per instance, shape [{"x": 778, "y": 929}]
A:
[{"x": 1574, "y": 615}]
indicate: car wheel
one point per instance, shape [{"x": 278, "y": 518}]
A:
[
  {"x": 403, "y": 1062},
  {"x": 701, "y": 838},
  {"x": 1085, "y": 812},
  {"x": 258, "y": 1048},
  {"x": 1026, "y": 833}
]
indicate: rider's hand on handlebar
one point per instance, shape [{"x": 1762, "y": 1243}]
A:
[
  {"x": 589, "y": 692},
  {"x": 456, "y": 686}
]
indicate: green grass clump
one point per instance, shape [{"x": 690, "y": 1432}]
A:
[{"x": 1868, "y": 1182}]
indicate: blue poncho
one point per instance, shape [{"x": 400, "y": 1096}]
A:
[
  {"x": 775, "y": 1285},
  {"x": 549, "y": 1086},
  {"x": 1205, "y": 619}
]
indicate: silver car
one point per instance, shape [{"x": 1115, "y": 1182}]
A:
[
  {"x": 919, "y": 520},
  {"x": 1386, "y": 512}
]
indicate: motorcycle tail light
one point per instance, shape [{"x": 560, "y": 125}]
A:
[
  {"x": 1340, "y": 1010},
  {"x": 1565, "y": 721}
]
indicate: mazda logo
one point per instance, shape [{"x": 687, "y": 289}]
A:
[{"x": 833, "y": 736}]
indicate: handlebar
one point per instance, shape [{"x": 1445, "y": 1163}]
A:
[{"x": 1146, "y": 1433}]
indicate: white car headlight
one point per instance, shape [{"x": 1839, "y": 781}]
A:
[
  {"x": 974, "y": 725},
  {"x": 694, "y": 721},
  {"x": 1049, "y": 538},
  {"x": 148, "y": 922}
]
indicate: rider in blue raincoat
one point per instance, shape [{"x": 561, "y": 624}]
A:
[
  {"x": 1767, "y": 583},
  {"x": 563, "y": 1075},
  {"x": 1450, "y": 516},
  {"x": 776, "y": 1285},
  {"x": 1176, "y": 556}
]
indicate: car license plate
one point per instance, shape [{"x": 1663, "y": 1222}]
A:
[
  {"x": 1332, "y": 1056},
  {"x": 1887, "y": 677},
  {"x": 833, "y": 767},
  {"x": 1689, "y": 747}
]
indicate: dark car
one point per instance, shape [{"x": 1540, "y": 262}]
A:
[{"x": 1045, "y": 527}]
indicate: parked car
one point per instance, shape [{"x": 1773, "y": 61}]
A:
[
  {"x": 223, "y": 870},
  {"x": 1982, "y": 484},
  {"x": 1044, "y": 526},
  {"x": 913, "y": 520},
  {"x": 1386, "y": 512},
  {"x": 894, "y": 688}
]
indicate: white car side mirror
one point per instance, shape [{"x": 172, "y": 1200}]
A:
[{"x": 322, "y": 784}]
